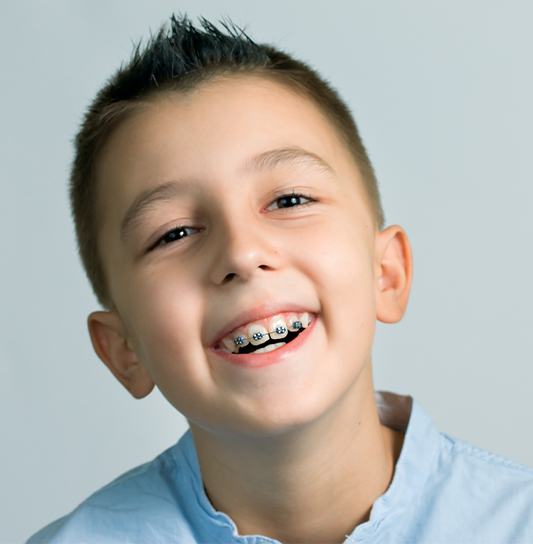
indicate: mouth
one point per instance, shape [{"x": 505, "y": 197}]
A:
[
  {"x": 264, "y": 334},
  {"x": 271, "y": 352}
]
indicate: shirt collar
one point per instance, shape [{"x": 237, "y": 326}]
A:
[{"x": 420, "y": 447}]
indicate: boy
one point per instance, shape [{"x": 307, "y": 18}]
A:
[{"x": 229, "y": 221}]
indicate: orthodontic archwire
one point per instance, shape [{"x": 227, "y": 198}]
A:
[{"x": 239, "y": 340}]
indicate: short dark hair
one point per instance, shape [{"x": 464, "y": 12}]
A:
[{"x": 179, "y": 57}]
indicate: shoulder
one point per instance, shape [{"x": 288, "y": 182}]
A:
[
  {"x": 140, "y": 505},
  {"x": 466, "y": 462},
  {"x": 475, "y": 495}
]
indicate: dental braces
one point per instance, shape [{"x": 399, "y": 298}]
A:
[{"x": 239, "y": 340}]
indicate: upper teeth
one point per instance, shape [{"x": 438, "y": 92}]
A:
[{"x": 257, "y": 333}]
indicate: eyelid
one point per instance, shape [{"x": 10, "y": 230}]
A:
[
  {"x": 158, "y": 240},
  {"x": 289, "y": 193},
  {"x": 279, "y": 193}
]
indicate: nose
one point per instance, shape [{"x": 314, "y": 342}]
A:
[{"x": 243, "y": 248}]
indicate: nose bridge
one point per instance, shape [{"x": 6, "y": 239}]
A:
[{"x": 242, "y": 245}]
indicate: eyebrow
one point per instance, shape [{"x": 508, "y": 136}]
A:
[
  {"x": 268, "y": 160},
  {"x": 169, "y": 190}
]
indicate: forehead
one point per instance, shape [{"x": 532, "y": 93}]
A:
[{"x": 207, "y": 134}]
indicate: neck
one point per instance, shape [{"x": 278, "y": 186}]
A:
[{"x": 314, "y": 485}]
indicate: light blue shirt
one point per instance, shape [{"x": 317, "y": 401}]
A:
[{"x": 443, "y": 491}]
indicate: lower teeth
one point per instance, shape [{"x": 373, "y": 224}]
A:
[{"x": 271, "y": 347}]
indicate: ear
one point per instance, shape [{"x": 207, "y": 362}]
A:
[
  {"x": 394, "y": 271},
  {"x": 112, "y": 346}
]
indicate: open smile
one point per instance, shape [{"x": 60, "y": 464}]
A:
[{"x": 274, "y": 352}]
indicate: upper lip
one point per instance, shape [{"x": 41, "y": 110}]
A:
[{"x": 256, "y": 313}]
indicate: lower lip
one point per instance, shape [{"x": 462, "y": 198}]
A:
[{"x": 260, "y": 360}]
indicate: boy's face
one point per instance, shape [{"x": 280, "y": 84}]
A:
[{"x": 242, "y": 248}]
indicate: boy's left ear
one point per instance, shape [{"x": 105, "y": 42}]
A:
[
  {"x": 394, "y": 271},
  {"x": 111, "y": 344}
]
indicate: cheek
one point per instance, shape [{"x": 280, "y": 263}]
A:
[
  {"x": 344, "y": 274},
  {"x": 342, "y": 261},
  {"x": 169, "y": 321},
  {"x": 165, "y": 312}
]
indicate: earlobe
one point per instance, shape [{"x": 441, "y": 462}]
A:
[
  {"x": 394, "y": 269},
  {"x": 111, "y": 344}
]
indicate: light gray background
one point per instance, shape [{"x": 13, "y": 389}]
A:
[{"x": 442, "y": 92}]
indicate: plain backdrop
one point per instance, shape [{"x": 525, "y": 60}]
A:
[{"x": 442, "y": 93}]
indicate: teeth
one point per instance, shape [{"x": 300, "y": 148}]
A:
[
  {"x": 304, "y": 319},
  {"x": 229, "y": 343},
  {"x": 292, "y": 321},
  {"x": 271, "y": 347},
  {"x": 257, "y": 334},
  {"x": 278, "y": 328}
]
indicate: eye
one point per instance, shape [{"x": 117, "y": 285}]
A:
[
  {"x": 176, "y": 234},
  {"x": 171, "y": 236},
  {"x": 293, "y": 199}
]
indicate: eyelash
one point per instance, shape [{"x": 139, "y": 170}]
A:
[{"x": 161, "y": 241}]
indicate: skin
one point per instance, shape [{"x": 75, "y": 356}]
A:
[{"x": 294, "y": 451}]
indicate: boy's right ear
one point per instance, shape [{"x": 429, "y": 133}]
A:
[{"x": 111, "y": 344}]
